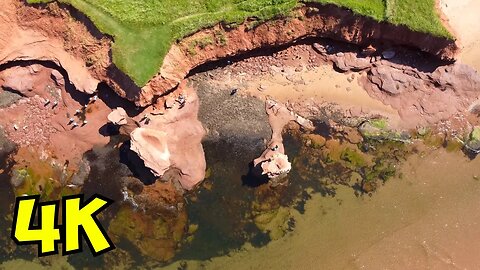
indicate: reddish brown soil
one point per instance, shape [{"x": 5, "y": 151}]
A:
[
  {"x": 320, "y": 21},
  {"x": 82, "y": 56},
  {"x": 33, "y": 122}
]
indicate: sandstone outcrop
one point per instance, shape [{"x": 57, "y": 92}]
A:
[
  {"x": 274, "y": 162},
  {"x": 151, "y": 146},
  {"x": 28, "y": 45},
  {"x": 168, "y": 138},
  {"x": 423, "y": 97}
]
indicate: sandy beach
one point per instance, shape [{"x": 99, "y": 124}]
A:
[
  {"x": 463, "y": 18},
  {"x": 322, "y": 85}
]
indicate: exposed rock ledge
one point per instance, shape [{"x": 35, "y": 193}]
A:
[
  {"x": 274, "y": 162},
  {"x": 25, "y": 45},
  {"x": 168, "y": 136},
  {"x": 310, "y": 21}
]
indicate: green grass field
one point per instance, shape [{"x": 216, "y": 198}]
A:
[{"x": 145, "y": 29}]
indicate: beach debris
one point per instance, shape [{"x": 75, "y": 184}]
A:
[
  {"x": 319, "y": 48},
  {"x": 55, "y": 104},
  {"x": 15, "y": 127},
  {"x": 329, "y": 49},
  {"x": 77, "y": 112},
  {"x": 46, "y": 102},
  {"x": 84, "y": 122},
  {"x": 71, "y": 120},
  {"x": 74, "y": 125},
  {"x": 146, "y": 119},
  {"x": 234, "y": 91},
  {"x": 93, "y": 99},
  {"x": 271, "y": 104}
]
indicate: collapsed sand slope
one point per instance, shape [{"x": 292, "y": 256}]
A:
[{"x": 23, "y": 45}]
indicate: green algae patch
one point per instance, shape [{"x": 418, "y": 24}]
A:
[
  {"x": 353, "y": 157},
  {"x": 274, "y": 222},
  {"x": 144, "y": 30},
  {"x": 473, "y": 143},
  {"x": 362, "y": 167},
  {"x": 33, "y": 175},
  {"x": 154, "y": 236},
  {"x": 379, "y": 129}
]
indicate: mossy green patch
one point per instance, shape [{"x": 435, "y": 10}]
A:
[
  {"x": 379, "y": 129},
  {"x": 353, "y": 157}
]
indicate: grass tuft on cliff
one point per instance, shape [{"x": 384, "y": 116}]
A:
[{"x": 144, "y": 30}]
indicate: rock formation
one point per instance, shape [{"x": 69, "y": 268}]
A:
[
  {"x": 274, "y": 162},
  {"x": 473, "y": 143},
  {"x": 28, "y": 45},
  {"x": 168, "y": 136}
]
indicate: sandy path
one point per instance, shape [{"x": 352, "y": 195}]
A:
[{"x": 464, "y": 17}]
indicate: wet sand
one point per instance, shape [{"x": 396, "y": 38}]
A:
[
  {"x": 428, "y": 219},
  {"x": 321, "y": 85},
  {"x": 464, "y": 19}
]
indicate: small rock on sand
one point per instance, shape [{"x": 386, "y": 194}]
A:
[
  {"x": 389, "y": 54},
  {"x": 118, "y": 116}
]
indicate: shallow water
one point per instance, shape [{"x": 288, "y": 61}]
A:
[{"x": 424, "y": 219}]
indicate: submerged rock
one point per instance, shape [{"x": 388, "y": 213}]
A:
[
  {"x": 315, "y": 141},
  {"x": 82, "y": 173},
  {"x": 154, "y": 221},
  {"x": 473, "y": 143},
  {"x": 6, "y": 146},
  {"x": 273, "y": 222},
  {"x": 379, "y": 129}
]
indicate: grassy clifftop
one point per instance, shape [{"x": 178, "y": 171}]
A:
[{"x": 145, "y": 29}]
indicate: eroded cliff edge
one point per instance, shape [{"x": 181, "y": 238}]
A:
[
  {"x": 313, "y": 20},
  {"x": 51, "y": 25}
]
